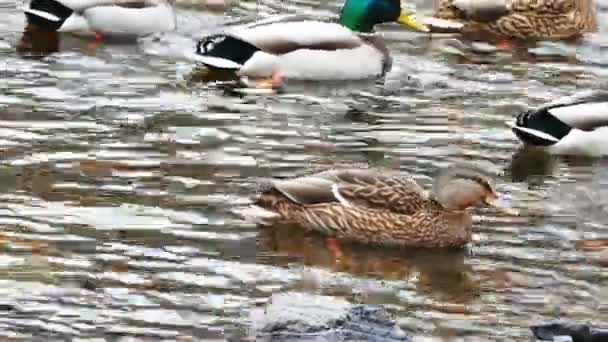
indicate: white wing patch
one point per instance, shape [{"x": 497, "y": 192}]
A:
[{"x": 336, "y": 192}]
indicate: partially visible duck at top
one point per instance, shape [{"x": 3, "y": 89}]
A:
[
  {"x": 125, "y": 18},
  {"x": 306, "y": 49},
  {"x": 575, "y": 125},
  {"x": 515, "y": 19}
]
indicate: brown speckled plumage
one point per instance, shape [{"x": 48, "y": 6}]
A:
[
  {"x": 371, "y": 206},
  {"x": 526, "y": 19}
]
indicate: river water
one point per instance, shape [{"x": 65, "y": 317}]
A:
[{"x": 120, "y": 174}]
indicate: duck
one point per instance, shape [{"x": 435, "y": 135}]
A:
[
  {"x": 300, "y": 48},
  {"x": 380, "y": 207},
  {"x": 528, "y": 20},
  {"x": 574, "y": 125},
  {"x": 117, "y": 18}
]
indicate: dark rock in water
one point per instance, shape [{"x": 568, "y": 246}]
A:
[
  {"x": 304, "y": 317},
  {"x": 577, "y": 332}
]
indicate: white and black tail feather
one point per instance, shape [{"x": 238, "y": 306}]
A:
[
  {"x": 47, "y": 14},
  {"x": 539, "y": 128},
  {"x": 222, "y": 51},
  {"x": 585, "y": 111}
]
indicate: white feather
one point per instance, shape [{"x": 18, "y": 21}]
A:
[
  {"x": 270, "y": 20},
  {"x": 534, "y": 132},
  {"x": 217, "y": 62},
  {"x": 45, "y": 15},
  {"x": 472, "y": 6},
  {"x": 587, "y": 143},
  {"x": 302, "y": 32},
  {"x": 304, "y": 64},
  {"x": 135, "y": 21},
  {"x": 76, "y": 23},
  {"x": 256, "y": 214},
  {"x": 444, "y": 24},
  {"x": 261, "y": 64},
  {"x": 581, "y": 114},
  {"x": 336, "y": 193}
]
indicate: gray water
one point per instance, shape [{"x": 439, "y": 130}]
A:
[{"x": 120, "y": 174}]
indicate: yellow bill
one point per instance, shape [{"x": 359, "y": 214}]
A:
[{"x": 410, "y": 20}]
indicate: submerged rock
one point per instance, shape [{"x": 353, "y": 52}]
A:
[
  {"x": 304, "y": 317},
  {"x": 575, "y": 332}
]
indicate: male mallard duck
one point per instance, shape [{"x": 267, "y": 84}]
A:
[
  {"x": 516, "y": 19},
  {"x": 106, "y": 17},
  {"x": 575, "y": 125},
  {"x": 371, "y": 206},
  {"x": 309, "y": 49}
]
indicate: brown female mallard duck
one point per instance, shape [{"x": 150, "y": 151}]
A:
[
  {"x": 516, "y": 19},
  {"x": 370, "y": 206}
]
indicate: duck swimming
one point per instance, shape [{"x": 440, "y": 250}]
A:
[
  {"x": 377, "y": 207},
  {"x": 575, "y": 125},
  {"x": 515, "y": 19},
  {"x": 102, "y": 17},
  {"x": 309, "y": 49}
]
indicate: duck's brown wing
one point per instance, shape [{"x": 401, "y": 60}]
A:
[
  {"x": 399, "y": 199},
  {"x": 544, "y": 7},
  {"x": 524, "y": 26},
  {"x": 372, "y": 188},
  {"x": 351, "y": 183}
]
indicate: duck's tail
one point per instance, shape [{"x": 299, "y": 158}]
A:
[
  {"x": 256, "y": 214},
  {"x": 538, "y": 128},
  {"x": 222, "y": 51},
  {"x": 47, "y": 14}
]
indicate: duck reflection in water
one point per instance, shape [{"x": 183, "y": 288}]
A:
[
  {"x": 37, "y": 42},
  {"x": 530, "y": 165},
  {"x": 442, "y": 274}
]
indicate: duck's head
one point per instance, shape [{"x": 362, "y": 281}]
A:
[
  {"x": 362, "y": 15},
  {"x": 463, "y": 186}
]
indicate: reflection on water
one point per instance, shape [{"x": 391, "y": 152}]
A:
[{"x": 121, "y": 168}]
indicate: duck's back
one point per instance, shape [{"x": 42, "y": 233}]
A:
[
  {"x": 281, "y": 37},
  {"x": 536, "y": 19}
]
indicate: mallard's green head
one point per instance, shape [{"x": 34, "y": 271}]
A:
[{"x": 362, "y": 15}]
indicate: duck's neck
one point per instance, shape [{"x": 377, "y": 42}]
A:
[{"x": 354, "y": 16}]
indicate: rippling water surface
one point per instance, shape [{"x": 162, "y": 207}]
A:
[{"x": 120, "y": 174}]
